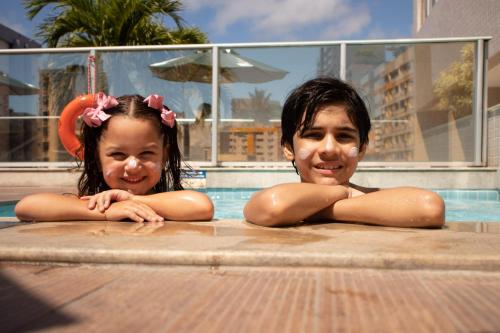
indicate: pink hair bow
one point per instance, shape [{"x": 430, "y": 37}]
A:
[
  {"x": 156, "y": 102},
  {"x": 94, "y": 117}
]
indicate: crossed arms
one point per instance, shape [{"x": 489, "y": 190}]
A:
[
  {"x": 288, "y": 204},
  {"x": 116, "y": 205}
]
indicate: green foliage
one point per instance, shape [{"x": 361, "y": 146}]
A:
[
  {"x": 454, "y": 86},
  {"x": 263, "y": 107},
  {"x": 260, "y": 100},
  {"x": 112, "y": 23}
]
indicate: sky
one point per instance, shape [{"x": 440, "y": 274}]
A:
[{"x": 230, "y": 21}]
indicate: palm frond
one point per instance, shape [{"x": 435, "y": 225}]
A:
[{"x": 112, "y": 22}]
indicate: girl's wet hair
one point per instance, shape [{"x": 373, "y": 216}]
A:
[
  {"x": 92, "y": 181},
  {"x": 315, "y": 94}
]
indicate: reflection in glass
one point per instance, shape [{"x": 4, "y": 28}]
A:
[
  {"x": 420, "y": 98},
  {"x": 250, "y": 126},
  {"x": 199, "y": 145},
  {"x": 31, "y": 140},
  {"x": 55, "y": 80},
  {"x": 143, "y": 76}
]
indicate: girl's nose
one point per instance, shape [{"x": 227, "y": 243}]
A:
[{"x": 132, "y": 164}]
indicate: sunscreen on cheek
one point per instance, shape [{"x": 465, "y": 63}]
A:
[
  {"x": 303, "y": 153},
  {"x": 353, "y": 152},
  {"x": 154, "y": 166}
]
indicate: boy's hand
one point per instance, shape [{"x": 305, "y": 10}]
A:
[
  {"x": 134, "y": 210},
  {"x": 104, "y": 199}
]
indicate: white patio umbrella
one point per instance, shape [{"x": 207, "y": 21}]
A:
[
  {"x": 197, "y": 67},
  {"x": 15, "y": 87}
]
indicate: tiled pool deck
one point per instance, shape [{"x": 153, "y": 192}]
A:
[{"x": 227, "y": 276}]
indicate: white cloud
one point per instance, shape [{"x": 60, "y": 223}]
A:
[
  {"x": 287, "y": 17},
  {"x": 378, "y": 33},
  {"x": 348, "y": 25}
]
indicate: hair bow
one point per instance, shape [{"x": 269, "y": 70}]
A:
[
  {"x": 95, "y": 116},
  {"x": 156, "y": 102}
]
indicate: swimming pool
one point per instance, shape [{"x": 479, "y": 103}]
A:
[{"x": 461, "y": 205}]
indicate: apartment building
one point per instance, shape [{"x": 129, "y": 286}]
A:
[{"x": 459, "y": 18}]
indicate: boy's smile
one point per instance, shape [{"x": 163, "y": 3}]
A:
[
  {"x": 328, "y": 152},
  {"x": 131, "y": 154}
]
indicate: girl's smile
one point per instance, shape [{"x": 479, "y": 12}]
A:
[
  {"x": 131, "y": 154},
  {"x": 327, "y": 152}
]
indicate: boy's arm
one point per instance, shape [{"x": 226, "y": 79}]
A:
[
  {"x": 396, "y": 207},
  {"x": 287, "y": 204},
  {"x": 182, "y": 205},
  {"x": 55, "y": 207}
]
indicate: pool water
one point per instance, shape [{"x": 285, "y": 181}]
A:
[{"x": 461, "y": 205}]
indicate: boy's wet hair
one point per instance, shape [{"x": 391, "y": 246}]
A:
[
  {"x": 92, "y": 181},
  {"x": 316, "y": 94}
]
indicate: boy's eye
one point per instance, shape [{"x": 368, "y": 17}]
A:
[
  {"x": 346, "y": 137},
  {"x": 312, "y": 135}
]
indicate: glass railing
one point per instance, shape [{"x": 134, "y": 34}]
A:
[{"x": 425, "y": 96}]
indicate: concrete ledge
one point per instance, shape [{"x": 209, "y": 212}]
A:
[{"x": 234, "y": 243}]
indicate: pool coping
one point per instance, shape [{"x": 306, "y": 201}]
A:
[{"x": 235, "y": 243}]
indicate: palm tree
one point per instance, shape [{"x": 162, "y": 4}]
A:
[
  {"x": 112, "y": 23},
  {"x": 262, "y": 105}
]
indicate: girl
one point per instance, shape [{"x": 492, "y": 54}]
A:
[{"x": 131, "y": 159}]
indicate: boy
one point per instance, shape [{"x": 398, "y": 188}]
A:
[{"x": 325, "y": 127}]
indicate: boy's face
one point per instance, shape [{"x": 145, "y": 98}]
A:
[{"x": 328, "y": 152}]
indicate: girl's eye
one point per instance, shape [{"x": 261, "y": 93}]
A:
[
  {"x": 118, "y": 156},
  {"x": 147, "y": 153}
]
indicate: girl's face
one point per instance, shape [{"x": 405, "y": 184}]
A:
[
  {"x": 131, "y": 154},
  {"x": 328, "y": 152}
]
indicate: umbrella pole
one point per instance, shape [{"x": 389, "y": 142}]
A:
[{"x": 185, "y": 126}]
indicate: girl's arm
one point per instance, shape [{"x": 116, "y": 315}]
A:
[
  {"x": 396, "y": 207},
  {"x": 176, "y": 205},
  {"x": 287, "y": 204},
  {"x": 55, "y": 207},
  {"x": 182, "y": 205}
]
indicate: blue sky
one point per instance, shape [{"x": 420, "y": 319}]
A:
[{"x": 230, "y": 21}]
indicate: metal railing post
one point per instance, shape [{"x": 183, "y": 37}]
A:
[
  {"x": 92, "y": 72},
  {"x": 478, "y": 111},
  {"x": 215, "y": 105},
  {"x": 343, "y": 61}
]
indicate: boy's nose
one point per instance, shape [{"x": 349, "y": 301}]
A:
[{"x": 329, "y": 147}]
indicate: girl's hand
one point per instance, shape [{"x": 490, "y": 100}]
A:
[
  {"x": 104, "y": 199},
  {"x": 134, "y": 210}
]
